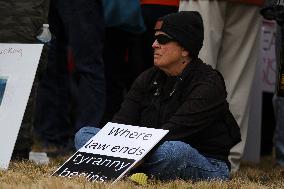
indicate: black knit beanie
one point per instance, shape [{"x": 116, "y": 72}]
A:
[{"x": 186, "y": 27}]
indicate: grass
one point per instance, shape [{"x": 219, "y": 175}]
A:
[{"x": 27, "y": 175}]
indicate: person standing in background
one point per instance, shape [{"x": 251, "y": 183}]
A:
[
  {"x": 278, "y": 104},
  {"x": 276, "y": 7},
  {"x": 20, "y": 23},
  {"x": 231, "y": 45},
  {"x": 78, "y": 25}
]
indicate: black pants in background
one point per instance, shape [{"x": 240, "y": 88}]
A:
[{"x": 80, "y": 26}]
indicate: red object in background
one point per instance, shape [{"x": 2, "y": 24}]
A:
[
  {"x": 161, "y": 2},
  {"x": 70, "y": 61}
]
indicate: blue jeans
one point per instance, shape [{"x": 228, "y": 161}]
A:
[
  {"x": 171, "y": 160},
  {"x": 278, "y": 103}
]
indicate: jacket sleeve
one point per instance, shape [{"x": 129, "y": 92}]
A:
[{"x": 205, "y": 105}]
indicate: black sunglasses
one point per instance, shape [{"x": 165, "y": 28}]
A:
[{"x": 163, "y": 39}]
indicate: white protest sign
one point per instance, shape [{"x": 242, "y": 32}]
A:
[
  {"x": 264, "y": 81},
  {"x": 267, "y": 56},
  {"x": 18, "y": 64},
  {"x": 111, "y": 153}
]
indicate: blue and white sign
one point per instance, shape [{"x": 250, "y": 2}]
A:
[{"x": 18, "y": 64}]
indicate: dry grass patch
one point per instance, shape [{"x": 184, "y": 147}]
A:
[{"x": 27, "y": 175}]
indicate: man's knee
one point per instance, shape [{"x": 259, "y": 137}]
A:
[
  {"x": 174, "y": 151},
  {"x": 83, "y": 135}
]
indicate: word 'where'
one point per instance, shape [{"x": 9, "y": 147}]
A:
[{"x": 129, "y": 134}]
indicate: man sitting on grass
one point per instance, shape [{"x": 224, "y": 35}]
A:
[{"x": 185, "y": 96}]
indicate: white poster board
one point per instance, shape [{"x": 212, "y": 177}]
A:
[
  {"x": 264, "y": 81},
  {"x": 18, "y": 64},
  {"x": 268, "y": 56},
  {"x": 111, "y": 153}
]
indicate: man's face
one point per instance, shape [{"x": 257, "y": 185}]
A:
[{"x": 167, "y": 52}]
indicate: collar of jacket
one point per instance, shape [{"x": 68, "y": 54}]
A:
[{"x": 181, "y": 80}]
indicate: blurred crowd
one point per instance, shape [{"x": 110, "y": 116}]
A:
[{"x": 89, "y": 64}]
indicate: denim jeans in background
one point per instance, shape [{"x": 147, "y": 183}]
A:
[
  {"x": 278, "y": 103},
  {"x": 79, "y": 26},
  {"x": 171, "y": 160}
]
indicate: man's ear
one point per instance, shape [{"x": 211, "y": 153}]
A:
[{"x": 184, "y": 53}]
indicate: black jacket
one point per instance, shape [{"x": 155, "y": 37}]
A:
[{"x": 192, "y": 107}]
